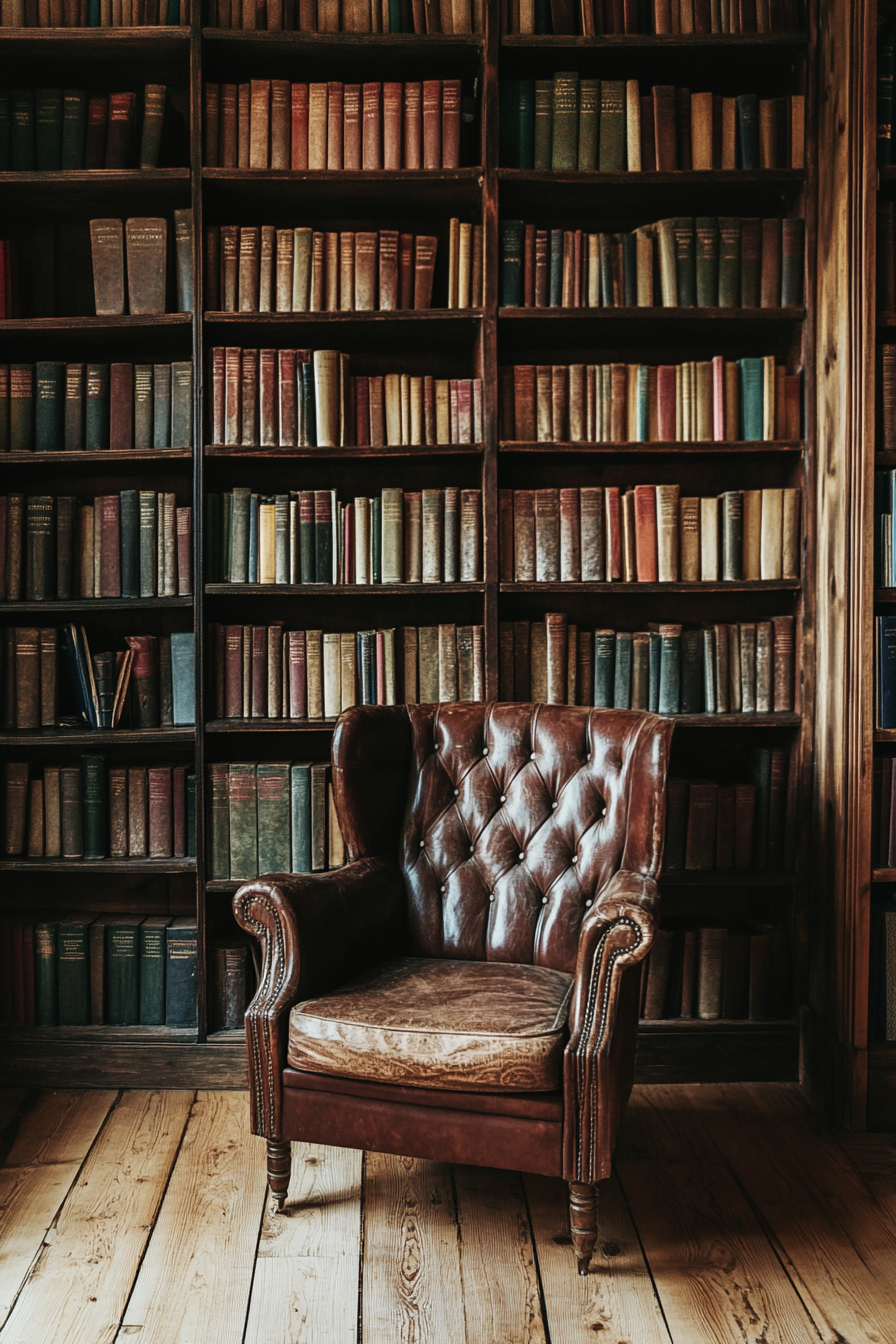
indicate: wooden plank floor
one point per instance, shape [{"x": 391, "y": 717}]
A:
[{"x": 735, "y": 1216}]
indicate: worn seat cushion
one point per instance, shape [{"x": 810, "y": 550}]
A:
[{"x": 458, "y": 1025}]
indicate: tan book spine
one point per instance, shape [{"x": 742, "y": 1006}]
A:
[
  {"x": 633, "y": 125},
  {"x": 432, "y": 541},
  {"x": 249, "y": 269},
  {"x": 285, "y": 263},
  {"x": 243, "y": 123},
  {"x": 447, "y": 663},
  {"x": 317, "y": 126},
  {"x": 592, "y": 543},
  {"x": 266, "y": 269},
  {"x": 790, "y": 534},
  {"x": 470, "y": 536},
  {"x": 259, "y": 122},
  {"x": 771, "y": 534},
  {"x": 752, "y": 534},
  {"x": 335, "y": 125},
  {"x": 689, "y": 531},
  {"x": 443, "y": 411},
  {"x": 667, "y": 511},
  {"x": 577, "y": 403},
  {"x": 709, "y": 539},
  {"x": 538, "y": 662},
  {"x": 413, "y": 537},
  {"x": 547, "y": 536},
  {"x": 570, "y": 536},
  {"x": 331, "y": 272},
  {"x": 331, "y": 652},
  {"x": 392, "y": 407},
  {"x": 701, "y": 131},
  {"x": 346, "y": 272},
  {"x": 281, "y": 112},
  {"x": 365, "y": 254},
  {"x": 797, "y": 131},
  {"x": 314, "y": 673},
  {"x": 393, "y": 544},
  {"x": 544, "y": 423},
  {"x": 703, "y": 401},
  {"x": 524, "y": 536},
  {"x": 729, "y": 133}
]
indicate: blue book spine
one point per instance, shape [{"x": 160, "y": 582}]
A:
[
  {"x": 643, "y": 403},
  {"x": 253, "y": 539},
  {"x": 300, "y": 809},
  {"x": 556, "y": 273},
  {"x": 173, "y": 13},
  {"x": 512, "y": 236},
  {"x": 183, "y": 678},
  {"x": 891, "y": 491},
  {"x": 181, "y": 974},
  {"x": 752, "y": 379},
  {"x": 748, "y": 130},
  {"x": 130, "y": 543},
  {"x": 93, "y": 14},
  {"x": 653, "y": 694},
  {"x": 526, "y": 123}
]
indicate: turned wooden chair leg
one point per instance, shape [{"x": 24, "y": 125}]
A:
[
  {"x": 583, "y": 1222},
  {"x": 279, "y": 1163}
]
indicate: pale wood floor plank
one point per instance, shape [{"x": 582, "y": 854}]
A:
[
  {"x": 412, "y": 1285},
  {"x": 80, "y": 1285},
  {"x": 831, "y": 1231},
  {"x": 38, "y": 1173},
  {"x": 616, "y": 1302},
  {"x": 305, "y": 1287},
  {"x": 717, "y": 1276},
  {"x": 874, "y": 1155},
  {"x": 193, "y": 1286},
  {"x": 500, "y": 1283}
]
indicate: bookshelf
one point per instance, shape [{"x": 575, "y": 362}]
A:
[{"x": 448, "y": 343}]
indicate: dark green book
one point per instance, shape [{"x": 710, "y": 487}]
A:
[
  {"x": 669, "y": 699},
  {"x": 182, "y": 404},
  {"x": 74, "y": 128},
  {"x": 605, "y": 251},
  {"x": 73, "y": 414},
  {"x": 190, "y": 790},
  {"x": 565, "y": 121},
  {"x": 555, "y": 268},
  {"x": 46, "y": 967},
  {"x": 151, "y": 945},
  {"x": 653, "y": 647},
  {"x": 612, "y": 156},
  {"x": 21, "y": 408},
  {"x": 793, "y": 232},
  {"x": 300, "y": 813},
  {"x": 148, "y": 543},
  {"x": 5, "y": 130},
  {"x": 243, "y": 820},
  {"x": 73, "y": 969},
  {"x": 49, "y": 416},
  {"x": 219, "y": 820},
  {"x": 395, "y": 24},
  {"x": 589, "y": 123},
  {"x": 323, "y": 536},
  {"x": 239, "y": 536},
  {"x": 21, "y": 157},
  {"x": 604, "y": 668},
  {"x": 309, "y": 405},
  {"x": 181, "y": 973},
  {"x": 622, "y": 680},
  {"x": 273, "y": 782},
  {"x": 541, "y": 134},
  {"x": 685, "y": 262},
  {"x": 161, "y": 406},
  {"x": 123, "y": 971},
  {"x": 752, "y": 385},
  {"x": 729, "y": 261},
  {"x": 376, "y": 539},
  {"x": 512, "y": 238},
  {"x": 96, "y": 417},
  {"x": 747, "y": 115},
  {"x": 706, "y": 228},
  {"x": 94, "y": 806},
  {"x": 183, "y": 675},
  {"x": 154, "y": 97},
  {"x": 48, "y": 129},
  {"x": 40, "y": 577},
  {"x": 129, "y": 524},
  {"x": 691, "y": 698},
  {"x": 761, "y": 777},
  {"x": 525, "y": 123},
  {"x": 305, "y": 509},
  {"x": 732, "y": 529},
  {"x": 143, "y": 406},
  {"x": 4, "y": 408}
]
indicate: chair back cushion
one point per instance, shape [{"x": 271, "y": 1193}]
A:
[{"x": 517, "y": 815}]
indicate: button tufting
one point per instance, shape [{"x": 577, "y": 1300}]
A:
[
  {"x": 442, "y": 890},
  {"x": 553, "y": 807},
  {"x": 422, "y": 844},
  {"x": 604, "y": 813},
  {"x": 472, "y": 849},
  {"x": 532, "y": 757},
  {"x": 457, "y": 793},
  {"x": 485, "y": 751},
  {"x": 491, "y": 895},
  {"x": 544, "y": 900},
  {"x": 522, "y": 856},
  {"x": 503, "y": 797},
  {"x": 587, "y": 904},
  {"x": 575, "y": 858}
]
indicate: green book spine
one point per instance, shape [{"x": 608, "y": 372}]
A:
[
  {"x": 752, "y": 381},
  {"x": 50, "y": 408},
  {"x": 589, "y": 105},
  {"x": 21, "y": 158},
  {"x": 512, "y": 234},
  {"x": 243, "y": 820},
  {"x": 643, "y": 403},
  {"x": 74, "y": 128},
  {"x": 309, "y": 405},
  {"x": 148, "y": 543},
  {"x": 395, "y": 25},
  {"x": 151, "y": 939},
  {"x": 94, "y": 807},
  {"x": 181, "y": 974},
  {"x": 182, "y": 404},
  {"x": 239, "y": 531},
  {"x": 622, "y": 680},
  {"x": 21, "y": 408},
  {"x": 376, "y": 539},
  {"x": 565, "y": 121},
  {"x": 691, "y": 699},
  {"x": 654, "y": 650},
  {"x": 273, "y": 817},
  {"x": 761, "y": 777},
  {"x": 612, "y": 157},
  {"x": 307, "y": 568},
  {"x": 123, "y": 972},
  {"x": 46, "y": 1002},
  {"x": 96, "y": 428},
  {"x": 190, "y": 791},
  {"x": 219, "y": 821},
  {"x": 670, "y": 669},
  {"x": 707, "y": 262},
  {"x": 300, "y": 811},
  {"x": 604, "y": 668},
  {"x": 4, "y": 408},
  {"x": 685, "y": 267},
  {"x": 254, "y": 503},
  {"x": 48, "y": 129},
  {"x": 555, "y": 268},
  {"x": 729, "y": 261},
  {"x": 323, "y": 540},
  {"x": 793, "y": 244},
  {"x": 541, "y": 146},
  {"x": 301, "y": 272},
  {"x": 183, "y": 678},
  {"x": 40, "y": 579},
  {"x": 525, "y": 134},
  {"x": 73, "y": 976},
  {"x": 129, "y": 514},
  {"x": 5, "y": 131},
  {"x": 161, "y": 406},
  {"x": 143, "y": 406},
  {"x": 153, "y": 117}
]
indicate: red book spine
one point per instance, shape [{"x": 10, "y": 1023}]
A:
[
  {"x": 380, "y": 668},
  {"x": 121, "y": 408},
  {"x": 450, "y": 123},
  {"x": 718, "y": 398},
  {"x": 299, "y": 128},
  {"x": 218, "y": 395},
  {"x": 179, "y": 811},
  {"x": 413, "y": 125},
  {"x": 463, "y": 399},
  {"x": 118, "y": 138},
  {"x": 577, "y": 269},
  {"x": 95, "y": 143},
  {"x": 645, "y": 534},
  {"x": 259, "y": 671},
  {"x": 406, "y": 270},
  {"x": 371, "y": 152},
  {"x": 614, "y": 534},
  {"x": 233, "y": 358},
  {"x": 392, "y": 99},
  {"x": 160, "y": 828},
  {"x": 524, "y": 402},
  {"x": 335, "y": 122},
  {"x": 665, "y": 402},
  {"x": 298, "y": 702},
  {"x": 287, "y": 398},
  {"x": 351, "y": 128},
  {"x": 233, "y": 672},
  {"x": 362, "y": 411},
  {"x": 783, "y": 664},
  {"x": 184, "y": 522},
  {"x": 220, "y": 641},
  {"x": 267, "y": 398},
  {"x": 110, "y": 546},
  {"x": 452, "y": 409},
  {"x": 541, "y": 268},
  {"x": 432, "y": 123}
]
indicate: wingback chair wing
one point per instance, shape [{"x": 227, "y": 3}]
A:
[{"x": 466, "y": 987}]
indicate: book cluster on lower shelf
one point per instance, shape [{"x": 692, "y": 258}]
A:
[
  {"x": 746, "y": 826},
  {"x": 94, "y": 13},
  {"x": 686, "y": 262},
  {"x": 668, "y": 17},
  {"x": 52, "y": 130},
  {"x": 648, "y": 534},
  {"x": 86, "y": 969},
  {"x": 134, "y": 544},
  {"x": 272, "y": 817},
  {"x": 453, "y": 18},
  {"x": 882, "y": 977},
  {"x": 92, "y": 811},
  {"x": 744, "y": 668},
  {"x": 309, "y": 536},
  {"x": 703, "y": 401},
  {"x": 711, "y": 972},
  {"x": 883, "y": 813},
  {"x": 570, "y": 124}
]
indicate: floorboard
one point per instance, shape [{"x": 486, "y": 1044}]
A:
[
  {"x": 874, "y": 1156},
  {"x": 497, "y": 1259}
]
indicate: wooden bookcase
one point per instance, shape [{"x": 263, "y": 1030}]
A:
[{"x": 457, "y": 343}]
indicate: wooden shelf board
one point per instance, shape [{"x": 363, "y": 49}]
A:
[
  {"x": 398, "y": 315},
  {"x": 716, "y": 1024},
  {"x": 629, "y": 448},
  {"x": 82, "y": 737},
  {"x": 885, "y": 734},
  {"x": 601, "y": 314},
  {"x": 417, "y": 42},
  {"x": 714, "y": 42},
  {"x": 341, "y": 589},
  {"x": 370, "y": 450},
  {"x": 270, "y": 725},
  {"x": 885, "y": 595},
  {"x": 322, "y": 177},
  {"x": 728, "y": 877},
  {"x": 731, "y": 177},
  {"x": 733, "y": 586},
  {"x": 102, "y": 457},
  {"x": 96, "y": 177},
  {"x": 883, "y": 875},
  {"x": 56, "y": 606},
  {"x": 19, "y": 1035},
  {"x": 98, "y": 865},
  {"x": 117, "y": 323},
  {"x": 781, "y": 719}
]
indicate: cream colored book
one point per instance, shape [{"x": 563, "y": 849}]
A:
[
  {"x": 633, "y": 125},
  {"x": 413, "y": 537},
  {"x": 701, "y": 132},
  {"x": 453, "y": 250},
  {"x": 709, "y": 539},
  {"x": 392, "y": 525},
  {"x": 771, "y": 534},
  {"x": 348, "y": 669},
  {"x": 543, "y": 404},
  {"x": 266, "y": 269},
  {"x": 409, "y": 653},
  {"x": 447, "y": 663},
  {"x": 417, "y": 431},
  {"x": 331, "y": 271},
  {"x": 592, "y": 253},
  {"x": 284, "y": 271},
  {"x": 443, "y": 412},
  {"x": 790, "y": 535},
  {"x": 576, "y": 403},
  {"x": 451, "y": 534},
  {"x": 327, "y": 375},
  {"x": 389, "y": 666},
  {"x": 332, "y": 665},
  {"x": 768, "y": 398},
  {"x": 313, "y": 673},
  {"x": 631, "y": 403},
  {"x": 267, "y": 542},
  {"x": 404, "y": 392},
  {"x": 667, "y": 510},
  {"x": 432, "y": 542},
  {"x": 362, "y": 539},
  {"x": 464, "y": 265},
  {"x": 644, "y": 265},
  {"x": 392, "y": 408}
]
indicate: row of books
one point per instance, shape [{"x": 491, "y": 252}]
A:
[
  {"x": 134, "y": 544},
  {"x": 52, "y": 406},
  {"x": 140, "y": 285},
  {"x": 271, "y": 817},
  {"x": 308, "y": 398},
  {"x": 54, "y": 129},
  {"x": 309, "y": 536},
  {"x": 885, "y": 671},
  {"x": 569, "y": 124},
  {"x": 883, "y": 813},
  {"x": 270, "y": 123},
  {"x": 744, "y": 826},
  {"x": 888, "y": 398},
  {"x": 452, "y": 17},
  {"x": 268, "y": 270},
  {"x": 882, "y": 978},
  {"x": 741, "y": 973},
  {"x": 884, "y": 513},
  {"x": 706, "y": 262},
  {"x": 91, "y": 811},
  {"x": 648, "y": 534},
  {"x": 269, "y": 672},
  {"x": 886, "y": 255},
  {"x": 93, "y": 13},
  {"x": 744, "y": 668},
  {"x": 704, "y": 401},
  {"x": 84, "y": 969},
  {"x": 886, "y": 68},
  {"x": 588, "y": 18},
  {"x": 50, "y": 676}
]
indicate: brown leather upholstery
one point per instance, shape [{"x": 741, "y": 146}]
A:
[
  {"x": 420, "y": 1022},
  {"x": 521, "y": 834}
]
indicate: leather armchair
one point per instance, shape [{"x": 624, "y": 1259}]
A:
[{"x": 466, "y": 988}]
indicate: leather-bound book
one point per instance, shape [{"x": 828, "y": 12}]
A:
[
  {"x": 470, "y": 536},
  {"x": 121, "y": 407},
  {"x": 21, "y": 408},
  {"x": 392, "y": 100},
  {"x": 94, "y": 803},
  {"x": 122, "y": 114},
  {"x": 645, "y": 510},
  {"x": 570, "y": 555},
  {"x": 39, "y": 532},
  {"x": 299, "y": 127},
  {"x": 744, "y": 812},
  {"x": 181, "y": 973},
  {"x": 280, "y": 116},
  {"x": 677, "y": 794},
  {"x": 95, "y": 136},
  {"x": 371, "y": 126},
  {"x": 593, "y": 545},
  {"x": 49, "y": 406},
  {"x": 159, "y": 812},
  {"x": 547, "y": 536},
  {"x": 49, "y": 660},
  {"x": 145, "y": 678},
  {"x": 450, "y": 136},
  {"x": 792, "y": 247},
  {"x": 424, "y": 269},
  {"x": 137, "y": 812},
  {"x": 320, "y": 773},
  {"x": 74, "y": 128},
  {"x": 118, "y": 813},
  {"x": 183, "y": 258},
  {"x": 147, "y": 247},
  {"x": 229, "y": 284},
  {"x": 701, "y": 131},
  {"x": 249, "y": 269},
  {"x": 752, "y": 263},
  {"x": 732, "y": 539},
  {"x": 711, "y": 969},
  {"x": 447, "y": 655},
  {"x": 335, "y": 114},
  {"x": 228, "y": 153},
  {"x": 413, "y": 125},
  {"x": 107, "y": 249},
  {"x": 770, "y": 283},
  {"x": 432, "y": 123},
  {"x": 351, "y": 127},
  {"x": 702, "y": 825},
  {"x": 783, "y": 664},
  {"x": 243, "y": 124},
  {"x": 665, "y": 127},
  {"x": 110, "y": 564},
  {"x": 725, "y": 827},
  {"x": 659, "y": 965},
  {"x": 556, "y": 635}
]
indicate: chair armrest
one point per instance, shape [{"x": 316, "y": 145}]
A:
[
  {"x": 316, "y": 930},
  {"x": 600, "y": 1056}
]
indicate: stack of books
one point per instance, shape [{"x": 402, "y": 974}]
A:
[{"x": 741, "y": 973}]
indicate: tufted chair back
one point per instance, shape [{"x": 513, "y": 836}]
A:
[{"x": 514, "y": 818}]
